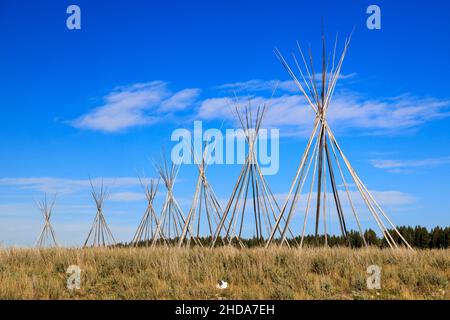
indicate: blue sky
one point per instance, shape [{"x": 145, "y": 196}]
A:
[{"x": 103, "y": 100}]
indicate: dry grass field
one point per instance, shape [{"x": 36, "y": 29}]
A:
[{"x": 169, "y": 273}]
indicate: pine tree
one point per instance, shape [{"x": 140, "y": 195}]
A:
[
  {"x": 371, "y": 237},
  {"x": 421, "y": 237}
]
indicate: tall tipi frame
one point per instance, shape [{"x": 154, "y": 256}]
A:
[
  {"x": 324, "y": 151},
  {"x": 264, "y": 206},
  {"x": 146, "y": 230},
  {"x": 47, "y": 234},
  {"x": 99, "y": 235}
]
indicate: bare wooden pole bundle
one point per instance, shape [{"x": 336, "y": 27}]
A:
[
  {"x": 327, "y": 157},
  {"x": 171, "y": 221},
  {"x": 206, "y": 211},
  {"x": 99, "y": 235},
  {"x": 47, "y": 235},
  {"x": 146, "y": 230},
  {"x": 252, "y": 202}
]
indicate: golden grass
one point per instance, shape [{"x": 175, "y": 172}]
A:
[{"x": 161, "y": 273}]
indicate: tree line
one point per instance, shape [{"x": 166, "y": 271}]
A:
[{"x": 418, "y": 237}]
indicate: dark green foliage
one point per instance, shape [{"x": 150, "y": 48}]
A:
[
  {"x": 421, "y": 237},
  {"x": 417, "y": 237},
  {"x": 371, "y": 238}
]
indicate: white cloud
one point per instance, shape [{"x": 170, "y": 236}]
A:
[
  {"x": 386, "y": 116},
  {"x": 397, "y": 166},
  {"x": 28, "y": 208},
  {"x": 260, "y": 85},
  {"x": 136, "y": 105},
  {"x": 126, "y": 196},
  {"x": 23, "y": 229},
  {"x": 347, "y": 111},
  {"x": 148, "y": 103},
  {"x": 66, "y": 186},
  {"x": 256, "y": 85},
  {"x": 391, "y": 198},
  {"x": 386, "y": 199},
  {"x": 179, "y": 100}
]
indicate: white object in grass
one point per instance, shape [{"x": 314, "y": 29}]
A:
[{"x": 222, "y": 284}]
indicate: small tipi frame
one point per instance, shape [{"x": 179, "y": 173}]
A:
[
  {"x": 99, "y": 235},
  {"x": 324, "y": 151},
  {"x": 47, "y": 235},
  {"x": 146, "y": 230},
  {"x": 171, "y": 220},
  {"x": 205, "y": 210}
]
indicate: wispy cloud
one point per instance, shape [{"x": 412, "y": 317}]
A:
[
  {"x": 179, "y": 101},
  {"x": 386, "y": 198},
  {"x": 126, "y": 196},
  {"x": 66, "y": 186},
  {"x": 390, "y": 198},
  {"x": 399, "y": 166},
  {"x": 135, "y": 105},
  {"x": 288, "y": 112},
  {"x": 347, "y": 111},
  {"x": 386, "y": 116},
  {"x": 151, "y": 102},
  {"x": 256, "y": 85}
]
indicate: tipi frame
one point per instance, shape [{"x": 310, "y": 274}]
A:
[
  {"x": 324, "y": 151},
  {"x": 205, "y": 205},
  {"x": 47, "y": 234},
  {"x": 146, "y": 230},
  {"x": 263, "y": 202},
  {"x": 99, "y": 235},
  {"x": 171, "y": 219}
]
